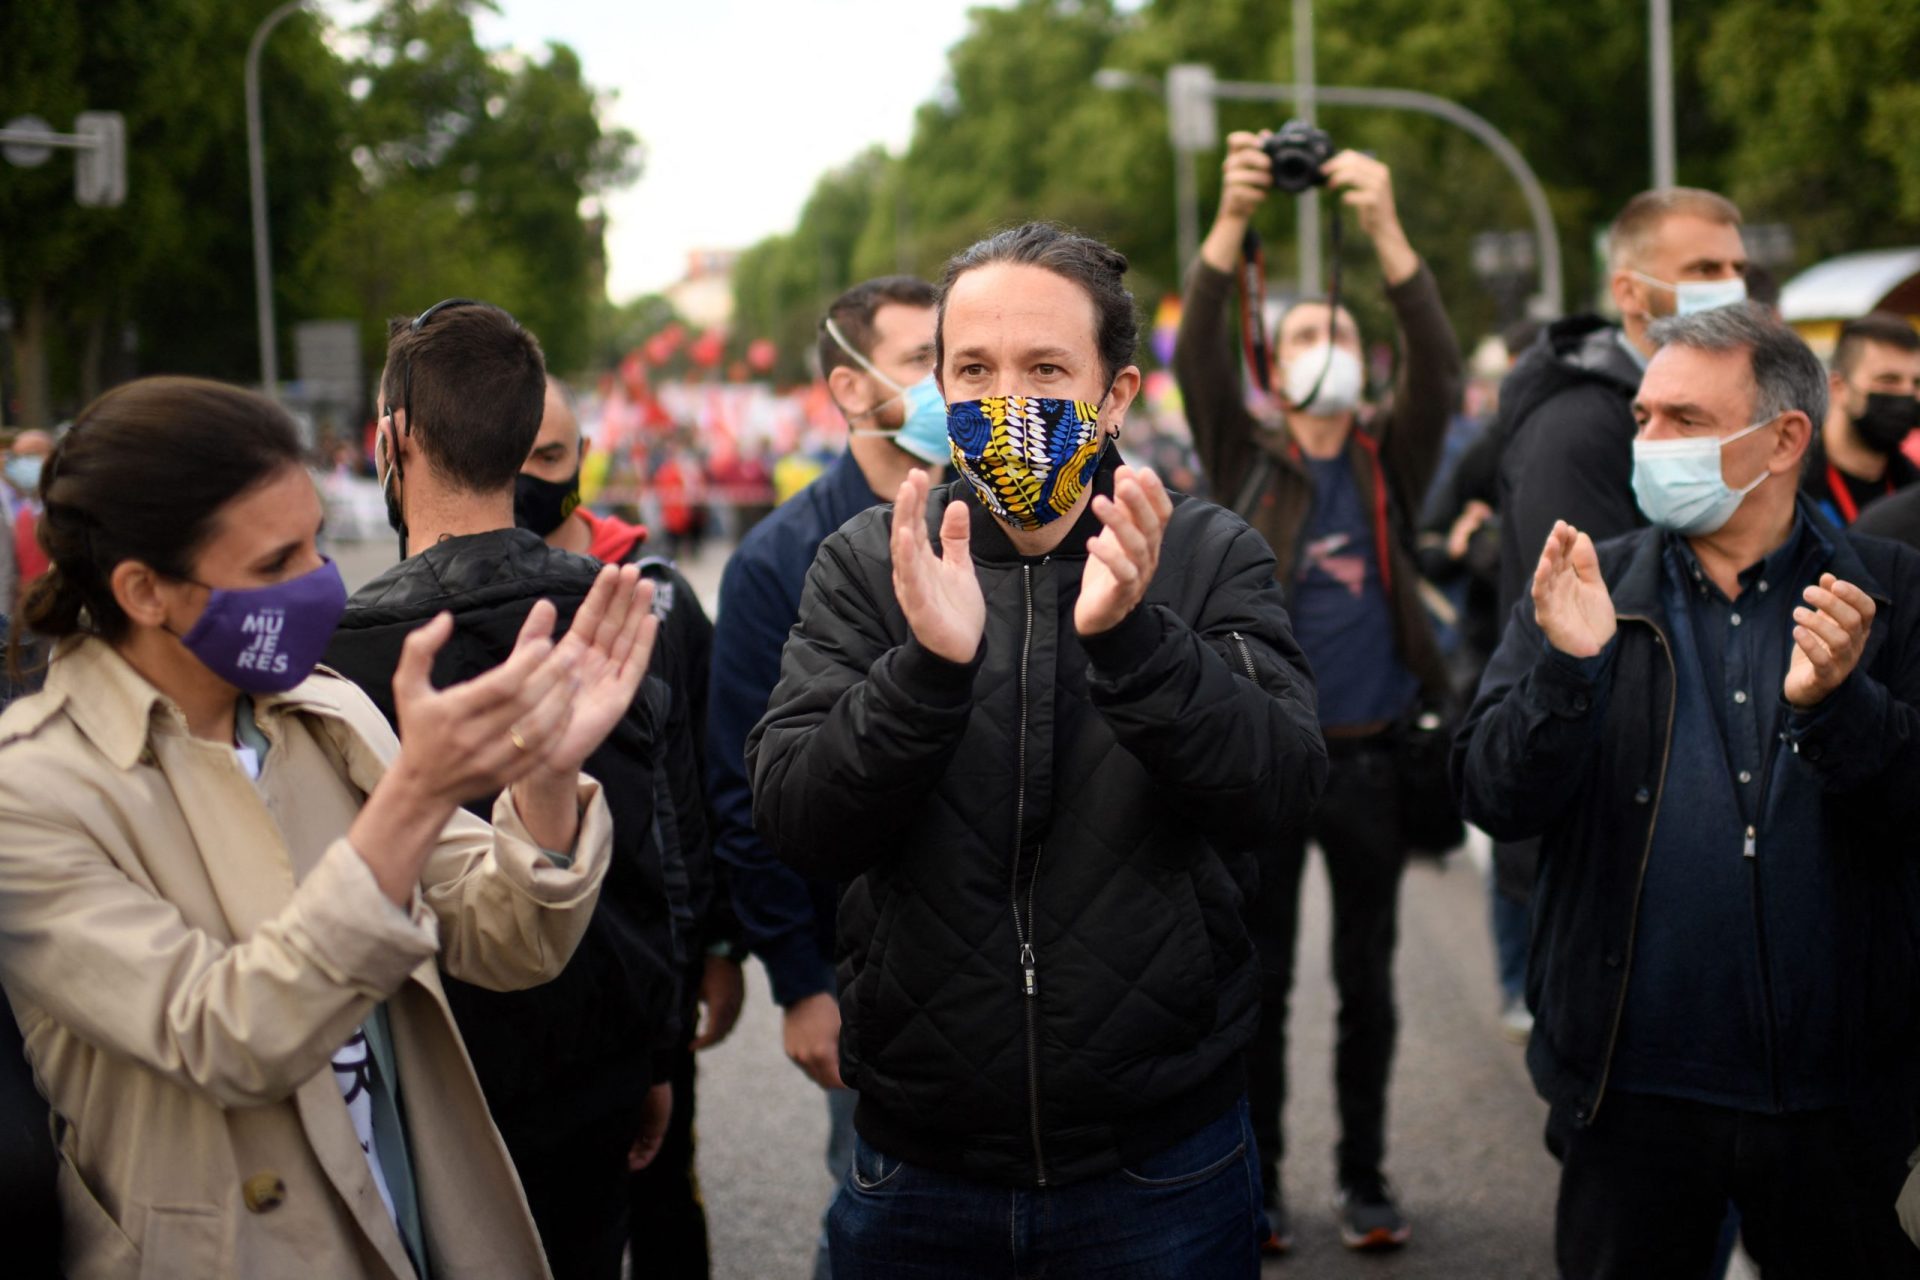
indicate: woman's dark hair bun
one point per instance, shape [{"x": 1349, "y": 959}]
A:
[{"x": 142, "y": 475}]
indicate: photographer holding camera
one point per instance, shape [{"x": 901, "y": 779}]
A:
[{"x": 1334, "y": 489}]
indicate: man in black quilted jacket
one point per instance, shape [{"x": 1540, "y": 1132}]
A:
[{"x": 1042, "y": 722}]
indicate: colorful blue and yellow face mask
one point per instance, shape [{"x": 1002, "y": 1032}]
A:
[{"x": 1028, "y": 457}]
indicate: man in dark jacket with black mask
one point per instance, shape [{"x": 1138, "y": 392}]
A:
[
  {"x": 1044, "y": 757},
  {"x": 574, "y": 1071},
  {"x": 1713, "y": 726},
  {"x": 669, "y": 1222},
  {"x": 1857, "y": 459}
]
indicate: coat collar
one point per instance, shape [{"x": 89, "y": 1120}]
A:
[
  {"x": 116, "y": 707},
  {"x": 110, "y": 702},
  {"x": 1638, "y": 589}
]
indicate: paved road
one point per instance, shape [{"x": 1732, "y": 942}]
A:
[
  {"x": 1465, "y": 1126},
  {"x": 1464, "y": 1132}
]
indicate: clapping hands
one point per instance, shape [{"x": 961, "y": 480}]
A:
[{"x": 1570, "y": 600}]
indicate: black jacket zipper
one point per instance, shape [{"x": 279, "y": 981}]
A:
[
  {"x": 1023, "y": 929},
  {"x": 1752, "y": 852},
  {"x": 1246, "y": 656},
  {"x": 1646, "y": 856}
]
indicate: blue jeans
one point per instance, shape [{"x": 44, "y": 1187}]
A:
[
  {"x": 1192, "y": 1210},
  {"x": 1512, "y": 921},
  {"x": 840, "y": 1104}
]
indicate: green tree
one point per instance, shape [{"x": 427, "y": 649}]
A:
[
  {"x": 1802, "y": 114},
  {"x": 619, "y": 328},
  {"x": 470, "y": 172},
  {"x": 417, "y": 167},
  {"x": 1826, "y": 105},
  {"x": 172, "y": 267}
]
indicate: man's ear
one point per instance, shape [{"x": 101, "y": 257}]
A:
[
  {"x": 1794, "y": 440},
  {"x": 1121, "y": 395},
  {"x": 1629, "y": 295},
  {"x": 394, "y": 428},
  {"x": 137, "y": 590}
]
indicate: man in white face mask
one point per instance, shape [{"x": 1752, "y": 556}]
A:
[
  {"x": 1333, "y": 488},
  {"x": 1713, "y": 727}
]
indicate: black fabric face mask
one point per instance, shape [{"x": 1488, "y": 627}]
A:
[
  {"x": 1887, "y": 420},
  {"x": 544, "y": 505}
]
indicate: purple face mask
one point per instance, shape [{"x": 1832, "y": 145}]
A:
[{"x": 267, "y": 639}]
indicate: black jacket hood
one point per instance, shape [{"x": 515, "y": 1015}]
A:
[{"x": 1577, "y": 349}]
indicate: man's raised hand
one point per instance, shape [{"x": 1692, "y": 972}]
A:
[
  {"x": 1122, "y": 559},
  {"x": 1366, "y": 187},
  {"x": 1246, "y": 175},
  {"x": 940, "y": 594},
  {"x": 1829, "y": 634},
  {"x": 1570, "y": 600}
]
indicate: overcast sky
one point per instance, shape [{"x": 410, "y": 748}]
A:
[{"x": 741, "y": 104}]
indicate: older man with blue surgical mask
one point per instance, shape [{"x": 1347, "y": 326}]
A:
[{"x": 1713, "y": 726}]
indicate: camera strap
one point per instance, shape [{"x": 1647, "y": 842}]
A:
[
  {"x": 1253, "y": 293},
  {"x": 1253, "y": 321}
]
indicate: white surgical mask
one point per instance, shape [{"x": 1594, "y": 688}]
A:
[
  {"x": 1691, "y": 296},
  {"x": 1339, "y": 390},
  {"x": 1679, "y": 485}
]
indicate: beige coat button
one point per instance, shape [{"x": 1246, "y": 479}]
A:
[{"x": 264, "y": 1192}]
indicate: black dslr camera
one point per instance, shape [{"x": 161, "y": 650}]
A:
[{"x": 1297, "y": 151}]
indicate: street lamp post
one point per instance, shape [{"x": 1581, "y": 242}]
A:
[
  {"x": 257, "y": 175},
  {"x": 1307, "y": 203},
  {"x": 1191, "y": 127},
  {"x": 1660, "y": 90}
]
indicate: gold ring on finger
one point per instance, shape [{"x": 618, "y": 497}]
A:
[{"x": 513, "y": 732}]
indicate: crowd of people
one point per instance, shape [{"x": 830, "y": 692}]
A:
[{"x": 377, "y": 934}]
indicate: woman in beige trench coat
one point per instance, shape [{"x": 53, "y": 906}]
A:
[{"x": 224, "y": 883}]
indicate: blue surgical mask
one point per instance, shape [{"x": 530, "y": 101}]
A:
[
  {"x": 1691, "y": 296},
  {"x": 23, "y": 469},
  {"x": 924, "y": 433},
  {"x": 923, "y": 429},
  {"x": 1679, "y": 485}
]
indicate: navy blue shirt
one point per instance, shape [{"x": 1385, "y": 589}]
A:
[
  {"x": 785, "y": 919},
  {"x": 1341, "y": 615},
  {"x": 1734, "y": 996}
]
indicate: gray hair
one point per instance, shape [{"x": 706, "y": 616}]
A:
[{"x": 1786, "y": 374}]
